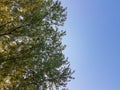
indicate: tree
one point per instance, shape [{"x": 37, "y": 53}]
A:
[{"x": 31, "y": 50}]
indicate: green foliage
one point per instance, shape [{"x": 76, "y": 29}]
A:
[{"x": 31, "y": 50}]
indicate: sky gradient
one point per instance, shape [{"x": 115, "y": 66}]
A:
[{"x": 93, "y": 43}]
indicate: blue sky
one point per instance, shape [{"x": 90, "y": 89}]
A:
[{"x": 93, "y": 43}]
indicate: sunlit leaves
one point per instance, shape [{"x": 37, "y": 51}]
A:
[{"x": 31, "y": 50}]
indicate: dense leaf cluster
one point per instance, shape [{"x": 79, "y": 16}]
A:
[{"x": 31, "y": 50}]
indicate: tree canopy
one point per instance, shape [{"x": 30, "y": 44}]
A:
[{"x": 31, "y": 49}]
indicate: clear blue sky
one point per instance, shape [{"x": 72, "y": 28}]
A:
[{"x": 93, "y": 43}]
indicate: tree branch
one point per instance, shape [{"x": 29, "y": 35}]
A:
[{"x": 13, "y": 30}]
